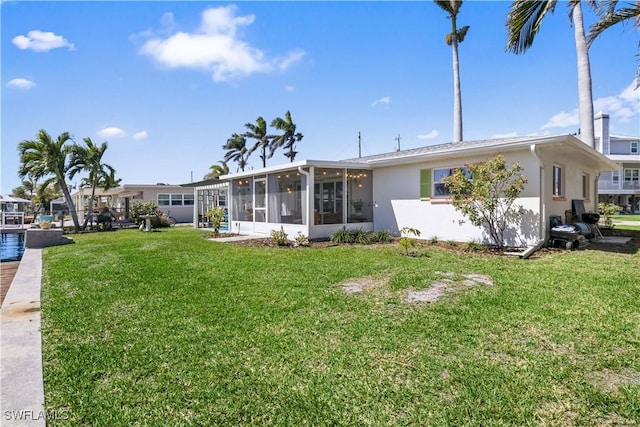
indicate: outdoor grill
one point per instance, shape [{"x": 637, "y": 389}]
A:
[{"x": 569, "y": 236}]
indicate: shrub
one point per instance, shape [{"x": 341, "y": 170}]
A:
[
  {"x": 607, "y": 210},
  {"x": 341, "y": 237},
  {"x": 139, "y": 209},
  {"x": 474, "y": 246},
  {"x": 216, "y": 216},
  {"x": 360, "y": 236},
  {"x": 300, "y": 240},
  {"x": 381, "y": 236},
  {"x": 280, "y": 237}
]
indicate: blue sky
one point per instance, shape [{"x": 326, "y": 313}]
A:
[{"x": 167, "y": 83}]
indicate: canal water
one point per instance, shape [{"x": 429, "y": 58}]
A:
[{"x": 11, "y": 246}]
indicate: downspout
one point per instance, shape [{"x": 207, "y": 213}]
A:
[
  {"x": 309, "y": 194},
  {"x": 543, "y": 205}
]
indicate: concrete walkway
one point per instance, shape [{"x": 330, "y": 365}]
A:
[{"x": 21, "y": 385}]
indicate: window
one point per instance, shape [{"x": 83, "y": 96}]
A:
[
  {"x": 631, "y": 179},
  {"x": 440, "y": 189},
  {"x": 558, "y": 190},
  {"x": 585, "y": 186},
  {"x": 634, "y": 147},
  {"x": 615, "y": 177},
  {"x": 175, "y": 199}
]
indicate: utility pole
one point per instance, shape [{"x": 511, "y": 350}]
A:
[
  {"x": 398, "y": 139},
  {"x": 359, "y": 146}
]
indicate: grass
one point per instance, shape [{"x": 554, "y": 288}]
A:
[
  {"x": 171, "y": 329},
  {"x": 626, "y": 217}
]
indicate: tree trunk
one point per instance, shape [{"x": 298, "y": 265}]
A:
[
  {"x": 585, "y": 97},
  {"x": 457, "y": 96},
  {"x": 70, "y": 204}
]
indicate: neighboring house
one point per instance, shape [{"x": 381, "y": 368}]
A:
[
  {"x": 173, "y": 200},
  {"x": 405, "y": 189},
  {"x": 622, "y": 186}
]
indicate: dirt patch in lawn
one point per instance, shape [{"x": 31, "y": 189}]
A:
[
  {"x": 612, "y": 381},
  {"x": 449, "y": 282}
]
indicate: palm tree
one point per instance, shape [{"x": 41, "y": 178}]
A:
[
  {"x": 46, "y": 158},
  {"x": 215, "y": 171},
  {"x": 237, "y": 150},
  {"x": 523, "y": 24},
  {"x": 288, "y": 138},
  {"x": 609, "y": 17},
  {"x": 88, "y": 158},
  {"x": 258, "y": 131},
  {"x": 457, "y": 35}
]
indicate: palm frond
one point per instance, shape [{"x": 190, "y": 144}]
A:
[{"x": 524, "y": 21}]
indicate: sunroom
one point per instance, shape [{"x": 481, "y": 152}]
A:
[{"x": 313, "y": 198}]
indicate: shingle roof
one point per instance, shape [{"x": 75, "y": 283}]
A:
[{"x": 438, "y": 148}]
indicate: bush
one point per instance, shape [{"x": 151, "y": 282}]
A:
[
  {"x": 216, "y": 216},
  {"x": 139, "y": 209},
  {"x": 300, "y": 240},
  {"x": 360, "y": 236},
  {"x": 342, "y": 237},
  {"x": 280, "y": 237},
  {"x": 381, "y": 236},
  {"x": 607, "y": 210}
]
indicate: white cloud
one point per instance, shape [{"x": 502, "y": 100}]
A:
[
  {"x": 111, "y": 132},
  {"x": 292, "y": 58},
  {"x": 20, "y": 84},
  {"x": 289, "y": 88},
  {"x": 563, "y": 120},
  {"x": 40, "y": 41},
  {"x": 624, "y": 107},
  {"x": 140, "y": 135},
  {"x": 215, "y": 47},
  {"x": 504, "y": 135},
  {"x": 383, "y": 100},
  {"x": 431, "y": 135}
]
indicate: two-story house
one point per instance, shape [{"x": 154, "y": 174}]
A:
[{"x": 620, "y": 187}]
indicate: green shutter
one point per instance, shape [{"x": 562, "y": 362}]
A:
[{"x": 425, "y": 184}]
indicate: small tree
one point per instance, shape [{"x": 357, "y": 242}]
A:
[
  {"x": 486, "y": 192},
  {"x": 408, "y": 242},
  {"x": 607, "y": 210},
  {"x": 216, "y": 216}
]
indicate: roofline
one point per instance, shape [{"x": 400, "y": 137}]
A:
[
  {"x": 295, "y": 165},
  {"x": 459, "y": 150},
  {"x": 604, "y": 162}
]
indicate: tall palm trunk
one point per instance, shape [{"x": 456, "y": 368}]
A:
[
  {"x": 457, "y": 95},
  {"x": 89, "y": 215},
  {"x": 585, "y": 97},
  {"x": 67, "y": 197}
]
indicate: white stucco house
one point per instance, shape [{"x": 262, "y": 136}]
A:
[
  {"x": 404, "y": 189},
  {"x": 173, "y": 200}
]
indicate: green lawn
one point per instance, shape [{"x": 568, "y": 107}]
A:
[
  {"x": 170, "y": 329},
  {"x": 626, "y": 217}
]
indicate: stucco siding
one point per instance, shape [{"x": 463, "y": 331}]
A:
[{"x": 396, "y": 191}]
